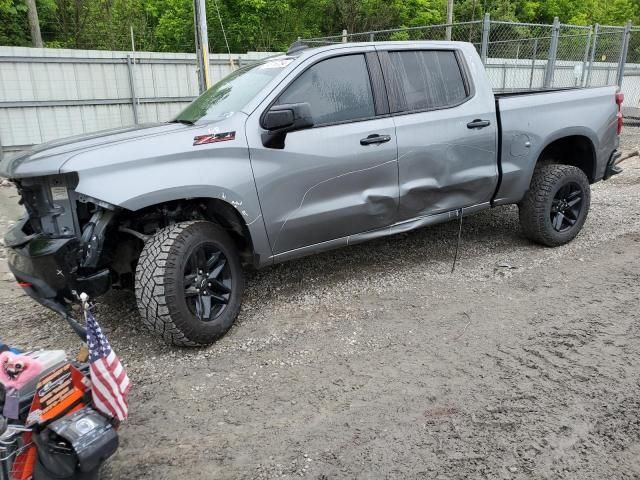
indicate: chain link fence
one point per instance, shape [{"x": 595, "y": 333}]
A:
[
  {"x": 532, "y": 56},
  {"x": 631, "y": 79},
  {"x": 606, "y": 51},
  {"x": 464, "y": 32},
  {"x": 516, "y": 55}
]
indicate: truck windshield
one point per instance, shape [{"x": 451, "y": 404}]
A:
[{"x": 233, "y": 92}]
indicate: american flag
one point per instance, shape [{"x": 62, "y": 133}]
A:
[{"x": 109, "y": 382}]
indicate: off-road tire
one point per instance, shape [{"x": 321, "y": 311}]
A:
[
  {"x": 159, "y": 284},
  {"x": 535, "y": 207}
]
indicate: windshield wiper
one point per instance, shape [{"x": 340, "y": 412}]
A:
[{"x": 182, "y": 120}]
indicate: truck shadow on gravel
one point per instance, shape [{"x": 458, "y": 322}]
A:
[
  {"x": 431, "y": 249},
  {"x": 428, "y": 251}
]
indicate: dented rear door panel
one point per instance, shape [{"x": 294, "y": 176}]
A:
[{"x": 443, "y": 164}]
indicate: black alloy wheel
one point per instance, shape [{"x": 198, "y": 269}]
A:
[
  {"x": 555, "y": 207},
  {"x": 189, "y": 283},
  {"x": 566, "y": 207},
  {"x": 207, "y": 282}
]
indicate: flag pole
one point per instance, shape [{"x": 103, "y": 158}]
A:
[
  {"x": 110, "y": 384},
  {"x": 84, "y": 298},
  {"x": 83, "y": 353}
]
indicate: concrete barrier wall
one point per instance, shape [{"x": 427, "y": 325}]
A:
[{"x": 52, "y": 93}]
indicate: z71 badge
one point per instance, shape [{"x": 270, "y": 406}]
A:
[{"x": 213, "y": 138}]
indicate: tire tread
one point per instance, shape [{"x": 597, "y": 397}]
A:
[
  {"x": 533, "y": 207},
  {"x": 154, "y": 290}
]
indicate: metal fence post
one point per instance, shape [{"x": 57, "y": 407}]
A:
[
  {"x": 485, "y": 38},
  {"x": 533, "y": 62},
  {"x": 447, "y": 32},
  {"x": 202, "y": 43},
  {"x": 623, "y": 52},
  {"x": 344, "y": 36},
  {"x": 585, "y": 59},
  {"x": 132, "y": 87},
  {"x": 372, "y": 37},
  {"x": 594, "y": 44},
  {"x": 553, "y": 52}
]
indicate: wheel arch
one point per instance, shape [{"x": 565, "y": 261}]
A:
[
  {"x": 224, "y": 210},
  {"x": 576, "y": 148}
]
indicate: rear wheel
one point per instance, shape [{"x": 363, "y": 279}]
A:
[
  {"x": 189, "y": 283},
  {"x": 556, "y": 206}
]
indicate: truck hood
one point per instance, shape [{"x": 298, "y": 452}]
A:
[{"x": 48, "y": 158}]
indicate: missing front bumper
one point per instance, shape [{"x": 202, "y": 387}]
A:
[{"x": 47, "y": 268}]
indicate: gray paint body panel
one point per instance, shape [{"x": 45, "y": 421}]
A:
[
  {"x": 324, "y": 189},
  {"x": 325, "y": 185},
  {"x": 443, "y": 164},
  {"x": 47, "y": 158},
  {"x": 170, "y": 167},
  {"x": 540, "y": 119}
]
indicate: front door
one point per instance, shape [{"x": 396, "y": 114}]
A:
[
  {"x": 328, "y": 181},
  {"x": 446, "y": 132}
]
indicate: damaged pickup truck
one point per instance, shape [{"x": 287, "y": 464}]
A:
[{"x": 301, "y": 153}]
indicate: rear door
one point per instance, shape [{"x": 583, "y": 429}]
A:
[
  {"x": 446, "y": 131},
  {"x": 339, "y": 177}
]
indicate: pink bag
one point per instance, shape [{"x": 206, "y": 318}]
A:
[{"x": 18, "y": 370}]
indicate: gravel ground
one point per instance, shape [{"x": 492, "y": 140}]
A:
[{"x": 374, "y": 361}]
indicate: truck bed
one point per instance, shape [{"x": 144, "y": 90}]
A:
[
  {"x": 532, "y": 91},
  {"x": 529, "y": 120}
]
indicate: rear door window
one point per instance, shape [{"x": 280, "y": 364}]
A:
[
  {"x": 429, "y": 79},
  {"x": 337, "y": 89}
]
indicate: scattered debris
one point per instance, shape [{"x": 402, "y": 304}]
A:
[{"x": 627, "y": 155}]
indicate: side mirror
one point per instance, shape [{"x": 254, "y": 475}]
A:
[
  {"x": 281, "y": 119},
  {"x": 276, "y": 119}
]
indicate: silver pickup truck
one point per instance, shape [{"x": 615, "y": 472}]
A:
[{"x": 301, "y": 153}]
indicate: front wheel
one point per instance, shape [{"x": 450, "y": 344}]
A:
[
  {"x": 189, "y": 283},
  {"x": 556, "y": 206}
]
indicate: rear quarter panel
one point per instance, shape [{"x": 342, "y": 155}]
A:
[{"x": 539, "y": 119}]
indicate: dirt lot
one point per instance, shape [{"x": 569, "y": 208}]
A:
[{"x": 375, "y": 361}]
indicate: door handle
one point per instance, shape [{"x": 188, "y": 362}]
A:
[
  {"x": 375, "y": 138},
  {"x": 478, "y": 123}
]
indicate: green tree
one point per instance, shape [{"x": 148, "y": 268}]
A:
[{"x": 167, "y": 25}]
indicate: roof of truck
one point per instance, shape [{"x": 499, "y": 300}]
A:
[{"x": 300, "y": 47}]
